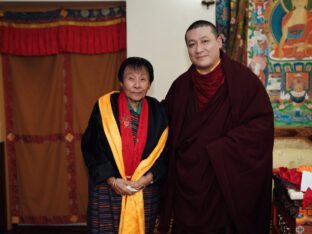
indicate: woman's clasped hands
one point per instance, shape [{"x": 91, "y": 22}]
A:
[{"x": 126, "y": 187}]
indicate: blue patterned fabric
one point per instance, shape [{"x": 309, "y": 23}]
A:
[
  {"x": 105, "y": 205},
  {"x": 134, "y": 124},
  {"x": 223, "y": 20},
  {"x": 70, "y": 14}
]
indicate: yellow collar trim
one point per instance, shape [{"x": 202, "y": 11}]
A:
[{"x": 210, "y": 70}]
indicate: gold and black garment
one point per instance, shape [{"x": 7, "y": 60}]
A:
[{"x": 101, "y": 147}]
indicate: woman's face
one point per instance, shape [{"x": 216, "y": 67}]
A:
[{"x": 135, "y": 84}]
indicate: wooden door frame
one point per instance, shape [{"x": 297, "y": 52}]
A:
[{"x": 3, "y": 207}]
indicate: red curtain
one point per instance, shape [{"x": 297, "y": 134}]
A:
[
  {"x": 55, "y": 66},
  {"x": 66, "y": 32}
]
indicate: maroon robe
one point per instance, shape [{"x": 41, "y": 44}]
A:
[{"x": 220, "y": 157}]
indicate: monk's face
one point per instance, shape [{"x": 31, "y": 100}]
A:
[
  {"x": 135, "y": 84},
  {"x": 203, "y": 48}
]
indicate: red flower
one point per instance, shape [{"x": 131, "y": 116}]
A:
[
  {"x": 291, "y": 175},
  {"x": 307, "y": 198}
]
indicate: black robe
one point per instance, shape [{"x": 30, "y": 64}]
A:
[
  {"x": 96, "y": 150},
  {"x": 221, "y": 157}
]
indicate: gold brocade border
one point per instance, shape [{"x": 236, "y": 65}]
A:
[{"x": 63, "y": 23}]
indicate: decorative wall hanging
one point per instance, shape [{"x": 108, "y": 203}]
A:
[{"x": 280, "y": 53}]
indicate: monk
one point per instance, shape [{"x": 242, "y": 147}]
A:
[{"x": 221, "y": 140}]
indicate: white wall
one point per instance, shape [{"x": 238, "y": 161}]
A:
[{"x": 155, "y": 31}]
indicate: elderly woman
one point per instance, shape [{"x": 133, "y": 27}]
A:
[{"x": 123, "y": 147}]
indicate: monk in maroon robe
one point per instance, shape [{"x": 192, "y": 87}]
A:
[{"x": 221, "y": 138}]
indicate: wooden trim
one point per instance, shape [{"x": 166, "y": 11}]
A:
[
  {"x": 46, "y": 6},
  {"x": 3, "y": 208},
  {"x": 304, "y": 132}
]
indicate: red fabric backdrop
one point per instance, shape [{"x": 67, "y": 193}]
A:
[{"x": 55, "y": 66}]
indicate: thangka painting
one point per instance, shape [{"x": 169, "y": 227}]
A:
[{"x": 280, "y": 53}]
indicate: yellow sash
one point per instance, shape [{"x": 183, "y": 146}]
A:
[{"x": 132, "y": 207}]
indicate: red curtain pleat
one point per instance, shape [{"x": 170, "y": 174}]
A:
[{"x": 65, "y": 38}]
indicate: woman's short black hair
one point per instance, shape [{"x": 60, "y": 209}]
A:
[{"x": 136, "y": 62}]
